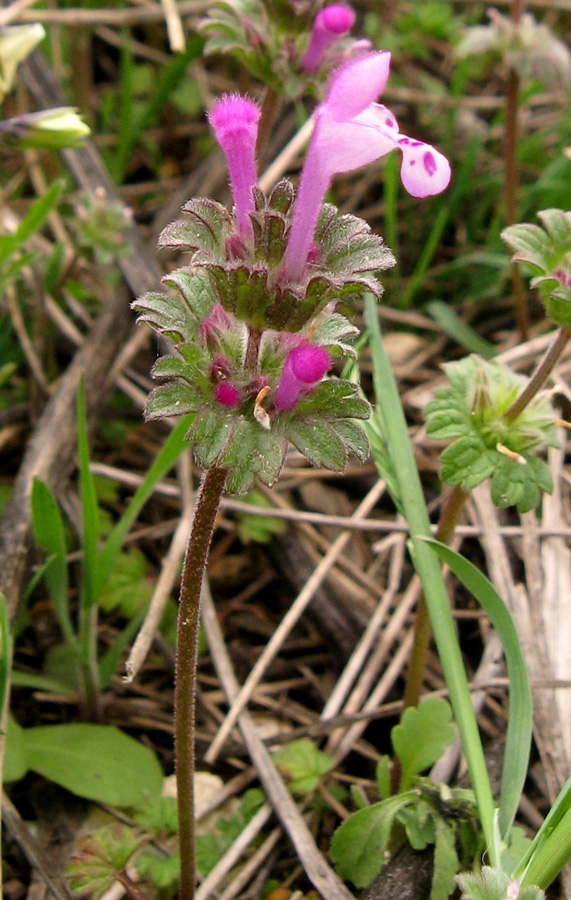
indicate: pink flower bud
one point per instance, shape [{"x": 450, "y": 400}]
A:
[
  {"x": 235, "y": 123},
  {"x": 227, "y": 394},
  {"x": 330, "y": 24},
  {"x": 212, "y": 327},
  {"x": 304, "y": 367}
]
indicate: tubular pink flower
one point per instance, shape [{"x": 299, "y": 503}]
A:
[
  {"x": 351, "y": 131},
  {"x": 330, "y": 24},
  {"x": 235, "y": 123},
  {"x": 304, "y": 367}
]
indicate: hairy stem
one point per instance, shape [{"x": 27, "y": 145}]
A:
[
  {"x": 540, "y": 375},
  {"x": 253, "y": 349},
  {"x": 196, "y": 556}
]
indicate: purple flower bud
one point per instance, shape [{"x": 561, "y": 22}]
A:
[
  {"x": 351, "y": 131},
  {"x": 304, "y": 367},
  {"x": 330, "y": 24},
  {"x": 217, "y": 322},
  {"x": 235, "y": 123},
  {"x": 227, "y": 394}
]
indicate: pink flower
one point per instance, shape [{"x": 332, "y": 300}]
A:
[
  {"x": 351, "y": 131},
  {"x": 330, "y": 24},
  {"x": 304, "y": 367},
  {"x": 235, "y": 123}
]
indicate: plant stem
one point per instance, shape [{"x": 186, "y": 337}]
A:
[
  {"x": 270, "y": 107},
  {"x": 430, "y": 574},
  {"x": 511, "y": 178},
  {"x": 253, "y": 349},
  {"x": 449, "y": 518},
  {"x": 540, "y": 375},
  {"x": 205, "y": 512}
]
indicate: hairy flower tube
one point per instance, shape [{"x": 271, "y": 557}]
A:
[
  {"x": 330, "y": 24},
  {"x": 235, "y": 122},
  {"x": 351, "y": 131}
]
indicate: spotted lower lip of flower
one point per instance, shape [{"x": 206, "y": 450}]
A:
[
  {"x": 235, "y": 122},
  {"x": 351, "y": 131},
  {"x": 330, "y": 24}
]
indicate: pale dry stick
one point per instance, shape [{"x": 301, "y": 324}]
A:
[
  {"x": 556, "y": 605},
  {"x": 137, "y": 48},
  {"x": 319, "y": 873},
  {"x": 390, "y": 637},
  {"x": 72, "y": 332},
  {"x": 539, "y": 601},
  {"x": 169, "y": 573},
  {"x": 174, "y": 26},
  {"x": 228, "y": 791},
  {"x": 546, "y": 722},
  {"x": 530, "y": 350},
  {"x": 67, "y": 327},
  {"x": 20, "y": 833},
  {"x": 392, "y": 672},
  {"x": 25, "y": 342},
  {"x": 288, "y": 514},
  {"x": 356, "y": 661},
  {"x": 14, "y": 10},
  {"x": 249, "y": 869},
  {"x": 351, "y": 580},
  {"x": 153, "y": 12},
  {"x": 317, "y": 540},
  {"x": 289, "y": 621},
  {"x": 283, "y": 160},
  {"x": 232, "y": 856}
]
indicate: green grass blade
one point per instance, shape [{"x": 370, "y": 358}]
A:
[
  {"x": 127, "y": 132},
  {"x": 32, "y": 223},
  {"x": 168, "y": 455},
  {"x": 43, "y": 683},
  {"x": 89, "y": 506},
  {"x": 39, "y": 211},
  {"x": 518, "y": 736},
  {"x": 133, "y": 125},
  {"x": 550, "y": 849},
  {"x": 426, "y": 564},
  {"x": 49, "y": 533},
  {"x": 458, "y": 330},
  {"x": 109, "y": 662},
  {"x": 433, "y": 241}
]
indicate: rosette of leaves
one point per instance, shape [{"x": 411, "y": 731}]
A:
[
  {"x": 320, "y": 425},
  {"x": 547, "y": 251},
  {"x": 470, "y": 412},
  {"x": 262, "y": 36},
  {"x": 248, "y": 280}
]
